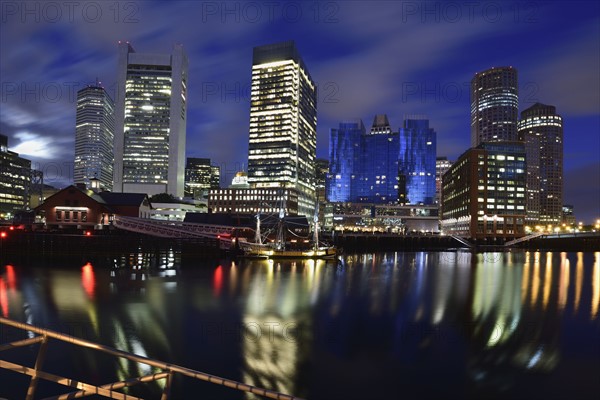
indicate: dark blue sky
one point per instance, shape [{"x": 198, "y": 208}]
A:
[{"x": 394, "y": 57}]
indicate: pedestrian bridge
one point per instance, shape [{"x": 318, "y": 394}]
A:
[{"x": 181, "y": 230}]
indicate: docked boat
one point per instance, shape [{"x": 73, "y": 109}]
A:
[{"x": 280, "y": 249}]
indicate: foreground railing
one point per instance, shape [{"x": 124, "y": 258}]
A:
[{"x": 108, "y": 390}]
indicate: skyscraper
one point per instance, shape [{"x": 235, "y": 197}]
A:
[
  {"x": 283, "y": 123},
  {"x": 541, "y": 129},
  {"x": 94, "y": 137},
  {"x": 441, "y": 166},
  {"x": 494, "y": 106},
  {"x": 382, "y": 167},
  {"x": 417, "y": 160},
  {"x": 151, "y": 109},
  {"x": 344, "y": 142},
  {"x": 200, "y": 176},
  {"x": 15, "y": 180}
]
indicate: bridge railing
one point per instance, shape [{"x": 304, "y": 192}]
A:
[
  {"x": 108, "y": 390},
  {"x": 524, "y": 239}
]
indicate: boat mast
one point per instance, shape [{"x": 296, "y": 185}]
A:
[
  {"x": 257, "y": 237},
  {"x": 316, "y": 228}
]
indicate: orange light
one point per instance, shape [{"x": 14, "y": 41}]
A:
[
  {"x": 12, "y": 228},
  {"x": 3, "y": 235}
]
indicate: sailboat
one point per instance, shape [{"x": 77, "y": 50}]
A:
[{"x": 278, "y": 249}]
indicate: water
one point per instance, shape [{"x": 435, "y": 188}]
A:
[{"x": 385, "y": 325}]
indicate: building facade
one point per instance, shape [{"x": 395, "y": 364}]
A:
[
  {"x": 283, "y": 123},
  {"x": 418, "y": 144},
  {"x": 254, "y": 200},
  {"x": 15, "y": 180},
  {"x": 441, "y": 166},
  {"x": 200, "y": 176},
  {"x": 541, "y": 129},
  {"x": 483, "y": 193},
  {"x": 150, "y": 124},
  {"x": 94, "y": 137},
  {"x": 494, "y": 105},
  {"x": 382, "y": 167},
  {"x": 343, "y": 157}
]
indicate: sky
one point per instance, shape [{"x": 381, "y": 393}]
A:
[{"x": 392, "y": 57}]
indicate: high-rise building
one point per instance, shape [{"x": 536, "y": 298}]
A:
[
  {"x": 541, "y": 129},
  {"x": 15, "y": 179},
  {"x": 283, "y": 123},
  {"x": 382, "y": 167},
  {"x": 344, "y": 142},
  {"x": 200, "y": 176},
  {"x": 441, "y": 166},
  {"x": 494, "y": 106},
  {"x": 483, "y": 192},
  {"x": 150, "y": 124},
  {"x": 417, "y": 160},
  {"x": 94, "y": 137}
]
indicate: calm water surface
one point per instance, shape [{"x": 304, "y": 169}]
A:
[{"x": 385, "y": 325}]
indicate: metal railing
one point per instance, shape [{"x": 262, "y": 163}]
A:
[
  {"x": 524, "y": 239},
  {"x": 109, "y": 390}
]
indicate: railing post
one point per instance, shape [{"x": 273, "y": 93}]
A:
[
  {"x": 38, "y": 366},
  {"x": 167, "y": 389}
]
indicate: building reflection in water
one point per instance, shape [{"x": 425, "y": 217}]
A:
[{"x": 304, "y": 320}]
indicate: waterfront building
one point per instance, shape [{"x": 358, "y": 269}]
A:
[
  {"x": 417, "y": 160},
  {"x": 77, "y": 208},
  {"x": 541, "y": 129},
  {"x": 382, "y": 167},
  {"x": 441, "y": 166},
  {"x": 15, "y": 180},
  {"x": 94, "y": 137},
  {"x": 283, "y": 121},
  {"x": 568, "y": 216},
  {"x": 483, "y": 193},
  {"x": 200, "y": 176},
  {"x": 385, "y": 218},
  {"x": 150, "y": 123},
  {"x": 494, "y": 105},
  {"x": 343, "y": 160}
]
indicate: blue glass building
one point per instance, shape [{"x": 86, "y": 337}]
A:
[
  {"x": 382, "y": 166},
  {"x": 343, "y": 157},
  {"x": 417, "y": 160}
]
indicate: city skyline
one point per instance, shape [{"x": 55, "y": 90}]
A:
[{"x": 442, "y": 54}]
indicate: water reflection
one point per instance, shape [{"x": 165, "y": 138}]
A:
[{"x": 317, "y": 329}]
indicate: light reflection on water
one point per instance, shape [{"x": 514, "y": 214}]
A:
[{"x": 374, "y": 325}]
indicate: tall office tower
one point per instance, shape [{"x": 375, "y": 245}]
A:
[
  {"x": 15, "y": 179},
  {"x": 343, "y": 156},
  {"x": 494, "y": 106},
  {"x": 441, "y": 166},
  {"x": 283, "y": 123},
  {"x": 376, "y": 172},
  {"x": 542, "y": 131},
  {"x": 417, "y": 160},
  {"x": 200, "y": 176},
  {"x": 94, "y": 137},
  {"x": 150, "y": 126},
  {"x": 483, "y": 192}
]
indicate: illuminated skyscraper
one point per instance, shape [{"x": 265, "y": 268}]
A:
[
  {"x": 15, "y": 180},
  {"x": 94, "y": 137},
  {"x": 417, "y": 160},
  {"x": 494, "y": 106},
  {"x": 441, "y": 166},
  {"x": 151, "y": 109},
  {"x": 542, "y": 131},
  {"x": 200, "y": 176},
  {"x": 344, "y": 143},
  {"x": 283, "y": 123}
]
